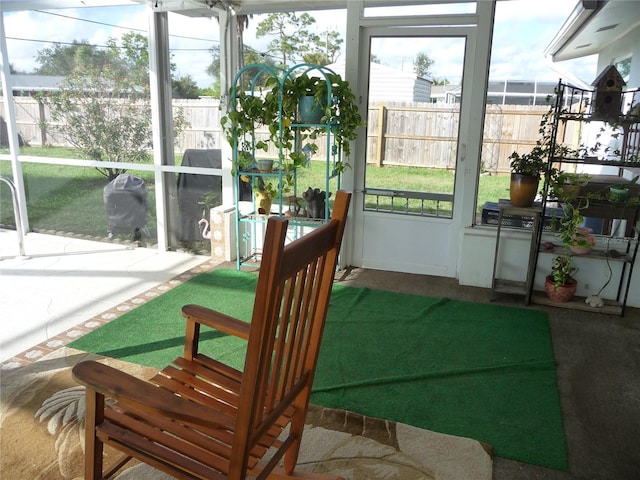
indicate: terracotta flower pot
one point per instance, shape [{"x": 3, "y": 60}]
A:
[
  {"x": 583, "y": 235},
  {"x": 523, "y": 190},
  {"x": 563, "y": 293}
]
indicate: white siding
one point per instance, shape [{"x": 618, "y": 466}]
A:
[{"x": 392, "y": 85}]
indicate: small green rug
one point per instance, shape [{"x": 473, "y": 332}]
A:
[{"x": 481, "y": 371}]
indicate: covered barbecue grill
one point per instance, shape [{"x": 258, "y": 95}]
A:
[{"x": 125, "y": 199}]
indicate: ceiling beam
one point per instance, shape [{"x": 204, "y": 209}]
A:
[{"x": 19, "y": 5}]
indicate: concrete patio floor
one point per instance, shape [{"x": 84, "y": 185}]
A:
[{"x": 63, "y": 281}]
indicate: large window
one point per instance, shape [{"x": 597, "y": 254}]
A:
[{"x": 521, "y": 80}]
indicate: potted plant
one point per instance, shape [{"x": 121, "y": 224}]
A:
[
  {"x": 525, "y": 176},
  {"x": 572, "y": 234},
  {"x": 561, "y": 285},
  {"x": 566, "y": 186},
  {"x": 304, "y": 98},
  {"x": 275, "y": 108},
  {"x": 620, "y": 192},
  {"x": 240, "y": 124},
  {"x": 339, "y": 112},
  {"x": 526, "y": 169}
]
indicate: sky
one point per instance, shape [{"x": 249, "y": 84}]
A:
[{"x": 523, "y": 29}]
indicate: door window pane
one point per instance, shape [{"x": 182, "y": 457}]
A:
[{"x": 412, "y": 129}]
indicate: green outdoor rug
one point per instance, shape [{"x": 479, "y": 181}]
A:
[{"x": 481, "y": 371}]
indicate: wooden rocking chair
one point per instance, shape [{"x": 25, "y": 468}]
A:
[{"x": 203, "y": 419}]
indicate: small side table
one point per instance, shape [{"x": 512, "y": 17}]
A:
[{"x": 512, "y": 286}]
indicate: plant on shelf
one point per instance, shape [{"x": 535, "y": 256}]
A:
[
  {"x": 526, "y": 169},
  {"x": 276, "y": 108},
  {"x": 264, "y": 192},
  {"x": 620, "y": 193},
  {"x": 294, "y": 92},
  {"x": 531, "y": 164},
  {"x": 565, "y": 186},
  {"x": 339, "y": 113},
  {"x": 239, "y": 125},
  {"x": 561, "y": 284},
  {"x": 572, "y": 234}
]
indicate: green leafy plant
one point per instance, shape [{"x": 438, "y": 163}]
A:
[
  {"x": 562, "y": 272},
  {"x": 208, "y": 201},
  {"x": 340, "y": 112},
  {"x": 535, "y": 163},
  {"x": 531, "y": 164},
  {"x": 242, "y": 119},
  {"x": 276, "y": 108},
  {"x": 566, "y": 185},
  {"x": 572, "y": 234}
]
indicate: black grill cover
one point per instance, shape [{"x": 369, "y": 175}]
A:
[
  {"x": 192, "y": 187},
  {"x": 125, "y": 199}
]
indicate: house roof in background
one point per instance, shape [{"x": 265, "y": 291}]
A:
[
  {"x": 35, "y": 83},
  {"x": 592, "y": 25}
]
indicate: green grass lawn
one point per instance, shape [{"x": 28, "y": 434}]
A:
[
  {"x": 416, "y": 179},
  {"x": 64, "y": 198},
  {"x": 70, "y": 199}
]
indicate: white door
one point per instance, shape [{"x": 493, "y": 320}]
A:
[{"x": 410, "y": 220}]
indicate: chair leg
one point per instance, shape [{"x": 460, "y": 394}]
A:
[
  {"x": 94, "y": 415},
  {"x": 290, "y": 458}
]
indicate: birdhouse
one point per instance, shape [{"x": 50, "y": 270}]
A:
[{"x": 607, "y": 100}]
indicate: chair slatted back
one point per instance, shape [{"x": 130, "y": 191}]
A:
[{"x": 290, "y": 308}]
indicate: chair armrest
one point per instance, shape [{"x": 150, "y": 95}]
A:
[
  {"x": 145, "y": 396},
  {"x": 219, "y": 321}
]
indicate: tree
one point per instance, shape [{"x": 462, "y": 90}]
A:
[
  {"x": 132, "y": 57},
  {"x": 422, "y": 65},
  {"x": 104, "y": 111},
  {"x": 242, "y": 22},
  {"x": 63, "y": 59},
  {"x": 277, "y": 24},
  {"x": 320, "y": 50},
  {"x": 185, "y": 87},
  {"x": 213, "y": 70},
  {"x": 294, "y": 42},
  {"x": 14, "y": 71},
  {"x": 250, "y": 56},
  {"x": 441, "y": 81},
  {"x": 101, "y": 114}
]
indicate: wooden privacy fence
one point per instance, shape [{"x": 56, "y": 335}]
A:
[
  {"x": 425, "y": 135},
  {"x": 203, "y": 116},
  {"x": 399, "y": 134}
]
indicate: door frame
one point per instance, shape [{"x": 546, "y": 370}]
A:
[{"x": 477, "y": 29}]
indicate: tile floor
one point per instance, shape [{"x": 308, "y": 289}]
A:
[{"x": 65, "y": 287}]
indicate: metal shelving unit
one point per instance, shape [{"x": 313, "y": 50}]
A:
[
  {"x": 574, "y": 104},
  {"x": 250, "y": 224}
]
